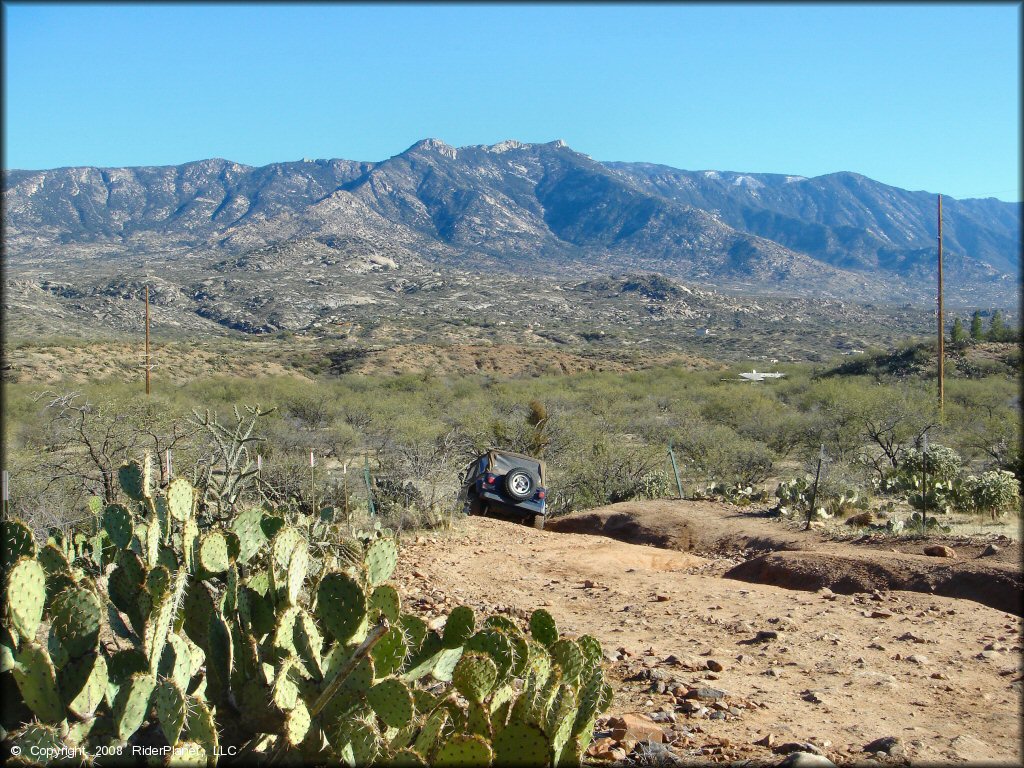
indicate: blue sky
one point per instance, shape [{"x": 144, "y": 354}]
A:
[{"x": 918, "y": 96}]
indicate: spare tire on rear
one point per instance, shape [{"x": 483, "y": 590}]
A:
[{"x": 520, "y": 484}]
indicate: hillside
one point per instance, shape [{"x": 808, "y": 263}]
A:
[{"x": 525, "y": 209}]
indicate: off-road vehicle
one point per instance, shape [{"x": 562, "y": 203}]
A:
[{"x": 505, "y": 484}]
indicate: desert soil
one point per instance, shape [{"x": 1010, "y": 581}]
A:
[{"x": 833, "y": 671}]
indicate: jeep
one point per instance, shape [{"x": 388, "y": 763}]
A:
[{"x": 505, "y": 484}]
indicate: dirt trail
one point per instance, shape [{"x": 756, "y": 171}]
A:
[{"x": 942, "y": 674}]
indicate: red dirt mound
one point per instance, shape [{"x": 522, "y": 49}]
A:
[{"x": 993, "y": 584}]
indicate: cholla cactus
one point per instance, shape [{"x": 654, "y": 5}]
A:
[{"x": 245, "y": 636}]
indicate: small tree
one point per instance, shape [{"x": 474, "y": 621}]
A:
[
  {"x": 977, "y": 332},
  {"x": 996, "y": 328},
  {"x": 958, "y": 335}
]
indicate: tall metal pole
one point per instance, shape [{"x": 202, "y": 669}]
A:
[
  {"x": 147, "y": 339},
  {"x": 942, "y": 335}
]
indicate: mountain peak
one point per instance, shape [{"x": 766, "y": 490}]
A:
[{"x": 433, "y": 145}]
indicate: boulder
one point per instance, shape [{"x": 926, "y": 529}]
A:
[{"x": 635, "y": 727}]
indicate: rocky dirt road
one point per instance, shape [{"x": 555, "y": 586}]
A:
[{"x": 741, "y": 671}]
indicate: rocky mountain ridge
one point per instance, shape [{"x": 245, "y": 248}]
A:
[{"x": 537, "y": 209}]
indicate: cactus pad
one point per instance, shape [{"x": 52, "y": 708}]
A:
[
  {"x": 340, "y": 605},
  {"x": 75, "y": 619},
  {"x": 132, "y": 476},
  {"x": 26, "y": 596},
  {"x": 117, "y": 522},
  {"x": 152, "y": 543},
  {"x": 286, "y": 689},
  {"x": 392, "y": 702},
  {"x": 189, "y": 539},
  {"x": 390, "y": 651},
  {"x": 591, "y": 648},
  {"x": 543, "y": 628},
  {"x": 171, "y": 712},
  {"x": 154, "y": 638},
  {"x": 521, "y": 745},
  {"x": 180, "y": 499},
  {"x": 297, "y": 568},
  {"x": 200, "y": 725},
  {"x": 475, "y": 675},
  {"x": 496, "y": 645},
  {"x": 430, "y": 733},
  {"x": 36, "y": 739},
  {"x": 213, "y": 552},
  {"x": 158, "y": 581},
  {"x": 126, "y": 582},
  {"x": 463, "y": 750},
  {"x": 271, "y": 524},
  {"x": 37, "y": 681},
  {"x": 381, "y": 558},
  {"x": 385, "y": 601},
  {"x": 176, "y": 661},
  {"x": 53, "y": 560},
  {"x": 504, "y": 623},
  {"x": 198, "y": 609},
  {"x": 132, "y": 705},
  {"x": 284, "y": 545},
  {"x": 407, "y": 758},
  {"x": 297, "y": 724},
  {"x": 17, "y": 542},
  {"x": 445, "y": 664},
  {"x": 249, "y": 532},
  {"x": 83, "y": 683},
  {"x": 567, "y": 655},
  {"x": 459, "y": 627}
]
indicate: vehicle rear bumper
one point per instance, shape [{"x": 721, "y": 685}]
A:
[{"x": 526, "y": 508}]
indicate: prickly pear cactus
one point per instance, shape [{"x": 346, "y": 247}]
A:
[{"x": 276, "y": 633}]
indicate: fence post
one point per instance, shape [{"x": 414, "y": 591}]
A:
[
  {"x": 675, "y": 468},
  {"x": 6, "y": 490}
]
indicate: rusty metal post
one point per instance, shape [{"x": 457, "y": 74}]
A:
[{"x": 942, "y": 333}]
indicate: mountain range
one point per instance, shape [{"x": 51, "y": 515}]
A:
[{"x": 514, "y": 208}]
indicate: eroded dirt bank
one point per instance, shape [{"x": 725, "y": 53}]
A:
[
  {"x": 839, "y": 671},
  {"x": 786, "y": 556}
]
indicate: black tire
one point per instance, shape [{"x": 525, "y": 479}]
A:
[
  {"x": 519, "y": 484},
  {"x": 473, "y": 506},
  {"x": 538, "y": 522}
]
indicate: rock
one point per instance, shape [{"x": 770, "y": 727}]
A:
[
  {"x": 663, "y": 717},
  {"x": 917, "y": 658},
  {"x": 715, "y": 666},
  {"x": 990, "y": 550},
  {"x": 690, "y": 707},
  {"x": 938, "y": 550},
  {"x": 706, "y": 694},
  {"x": 588, "y": 584},
  {"x": 767, "y": 741},
  {"x": 890, "y": 745},
  {"x": 662, "y": 598},
  {"x": 602, "y": 748},
  {"x": 806, "y": 760},
  {"x": 796, "y": 746},
  {"x": 636, "y": 727}
]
